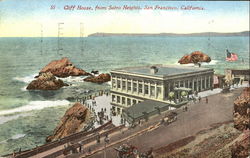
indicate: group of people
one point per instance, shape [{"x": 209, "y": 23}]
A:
[{"x": 199, "y": 99}]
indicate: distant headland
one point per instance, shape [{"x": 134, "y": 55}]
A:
[{"x": 243, "y": 33}]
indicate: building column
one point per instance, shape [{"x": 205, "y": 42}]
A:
[
  {"x": 163, "y": 91},
  {"x": 193, "y": 84},
  {"x": 137, "y": 87},
  {"x": 197, "y": 86},
  {"x": 205, "y": 82},
  {"x": 143, "y": 88},
  {"x": 209, "y": 82},
  {"x": 201, "y": 78},
  {"x": 132, "y": 86},
  {"x": 121, "y": 84},
  {"x": 126, "y": 82},
  {"x": 155, "y": 90},
  {"x": 126, "y": 101},
  {"x": 149, "y": 89},
  {"x": 116, "y": 87},
  {"x": 179, "y": 84}
]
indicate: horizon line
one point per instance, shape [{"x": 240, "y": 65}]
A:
[{"x": 124, "y": 34}]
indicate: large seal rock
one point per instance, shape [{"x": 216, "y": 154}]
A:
[
  {"x": 194, "y": 57},
  {"x": 98, "y": 79},
  {"x": 46, "y": 81},
  {"x": 74, "y": 120},
  {"x": 63, "y": 68}
]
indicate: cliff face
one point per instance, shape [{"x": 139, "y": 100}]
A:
[
  {"x": 63, "y": 68},
  {"x": 73, "y": 121},
  {"x": 194, "y": 57},
  {"x": 241, "y": 148},
  {"x": 98, "y": 79},
  {"x": 242, "y": 110},
  {"x": 46, "y": 81}
]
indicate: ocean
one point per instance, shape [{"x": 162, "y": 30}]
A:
[{"x": 28, "y": 117}]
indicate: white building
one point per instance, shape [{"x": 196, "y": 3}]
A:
[{"x": 135, "y": 84}]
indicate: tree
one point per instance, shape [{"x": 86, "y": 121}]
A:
[
  {"x": 171, "y": 96},
  {"x": 183, "y": 94}
]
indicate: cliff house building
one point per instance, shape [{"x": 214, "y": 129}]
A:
[{"x": 133, "y": 85}]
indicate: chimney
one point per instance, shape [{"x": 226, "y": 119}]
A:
[{"x": 153, "y": 69}]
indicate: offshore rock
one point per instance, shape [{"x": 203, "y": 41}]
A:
[
  {"x": 46, "y": 81},
  {"x": 74, "y": 120},
  {"x": 98, "y": 79},
  {"x": 63, "y": 68},
  {"x": 242, "y": 110},
  {"x": 194, "y": 57}
]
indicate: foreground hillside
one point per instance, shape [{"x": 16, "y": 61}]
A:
[{"x": 225, "y": 140}]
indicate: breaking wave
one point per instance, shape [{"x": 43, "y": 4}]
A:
[
  {"x": 26, "y": 79},
  {"x": 35, "y": 105},
  {"x": 73, "y": 79},
  {"x": 4, "y": 119},
  {"x": 213, "y": 62},
  {"x": 17, "y": 136}
]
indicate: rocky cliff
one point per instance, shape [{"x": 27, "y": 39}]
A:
[
  {"x": 194, "y": 57},
  {"x": 63, "y": 68},
  {"x": 242, "y": 110},
  {"x": 74, "y": 120},
  {"x": 98, "y": 79},
  {"x": 46, "y": 81},
  {"x": 241, "y": 148}
]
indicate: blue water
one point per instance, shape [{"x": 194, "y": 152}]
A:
[{"x": 27, "y": 117}]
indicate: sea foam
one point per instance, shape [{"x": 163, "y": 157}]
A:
[
  {"x": 17, "y": 136},
  {"x": 73, "y": 79},
  {"x": 35, "y": 105},
  {"x": 26, "y": 79},
  {"x": 4, "y": 119},
  {"x": 212, "y": 62}
]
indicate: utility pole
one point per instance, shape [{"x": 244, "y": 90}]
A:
[
  {"x": 81, "y": 35},
  {"x": 41, "y": 40},
  {"x": 59, "y": 35}
]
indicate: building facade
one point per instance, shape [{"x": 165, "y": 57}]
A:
[{"x": 133, "y": 85}]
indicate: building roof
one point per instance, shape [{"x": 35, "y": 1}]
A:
[
  {"x": 147, "y": 106},
  {"x": 163, "y": 70}
]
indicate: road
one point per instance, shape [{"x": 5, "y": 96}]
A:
[{"x": 198, "y": 117}]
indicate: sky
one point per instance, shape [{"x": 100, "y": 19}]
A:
[{"x": 26, "y": 18}]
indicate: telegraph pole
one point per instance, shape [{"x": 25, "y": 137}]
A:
[
  {"x": 59, "y": 35},
  {"x": 41, "y": 40},
  {"x": 81, "y": 35}
]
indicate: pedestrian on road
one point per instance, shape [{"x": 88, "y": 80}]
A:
[
  {"x": 206, "y": 100},
  {"x": 80, "y": 149},
  {"x": 193, "y": 99},
  {"x": 199, "y": 99}
]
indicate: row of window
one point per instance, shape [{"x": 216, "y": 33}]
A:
[
  {"x": 140, "y": 88},
  {"x": 122, "y": 100}
]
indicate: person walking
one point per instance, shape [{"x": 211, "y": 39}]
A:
[
  {"x": 206, "y": 100},
  {"x": 199, "y": 99},
  {"x": 80, "y": 148}
]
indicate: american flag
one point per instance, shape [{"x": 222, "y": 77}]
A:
[{"x": 231, "y": 56}]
